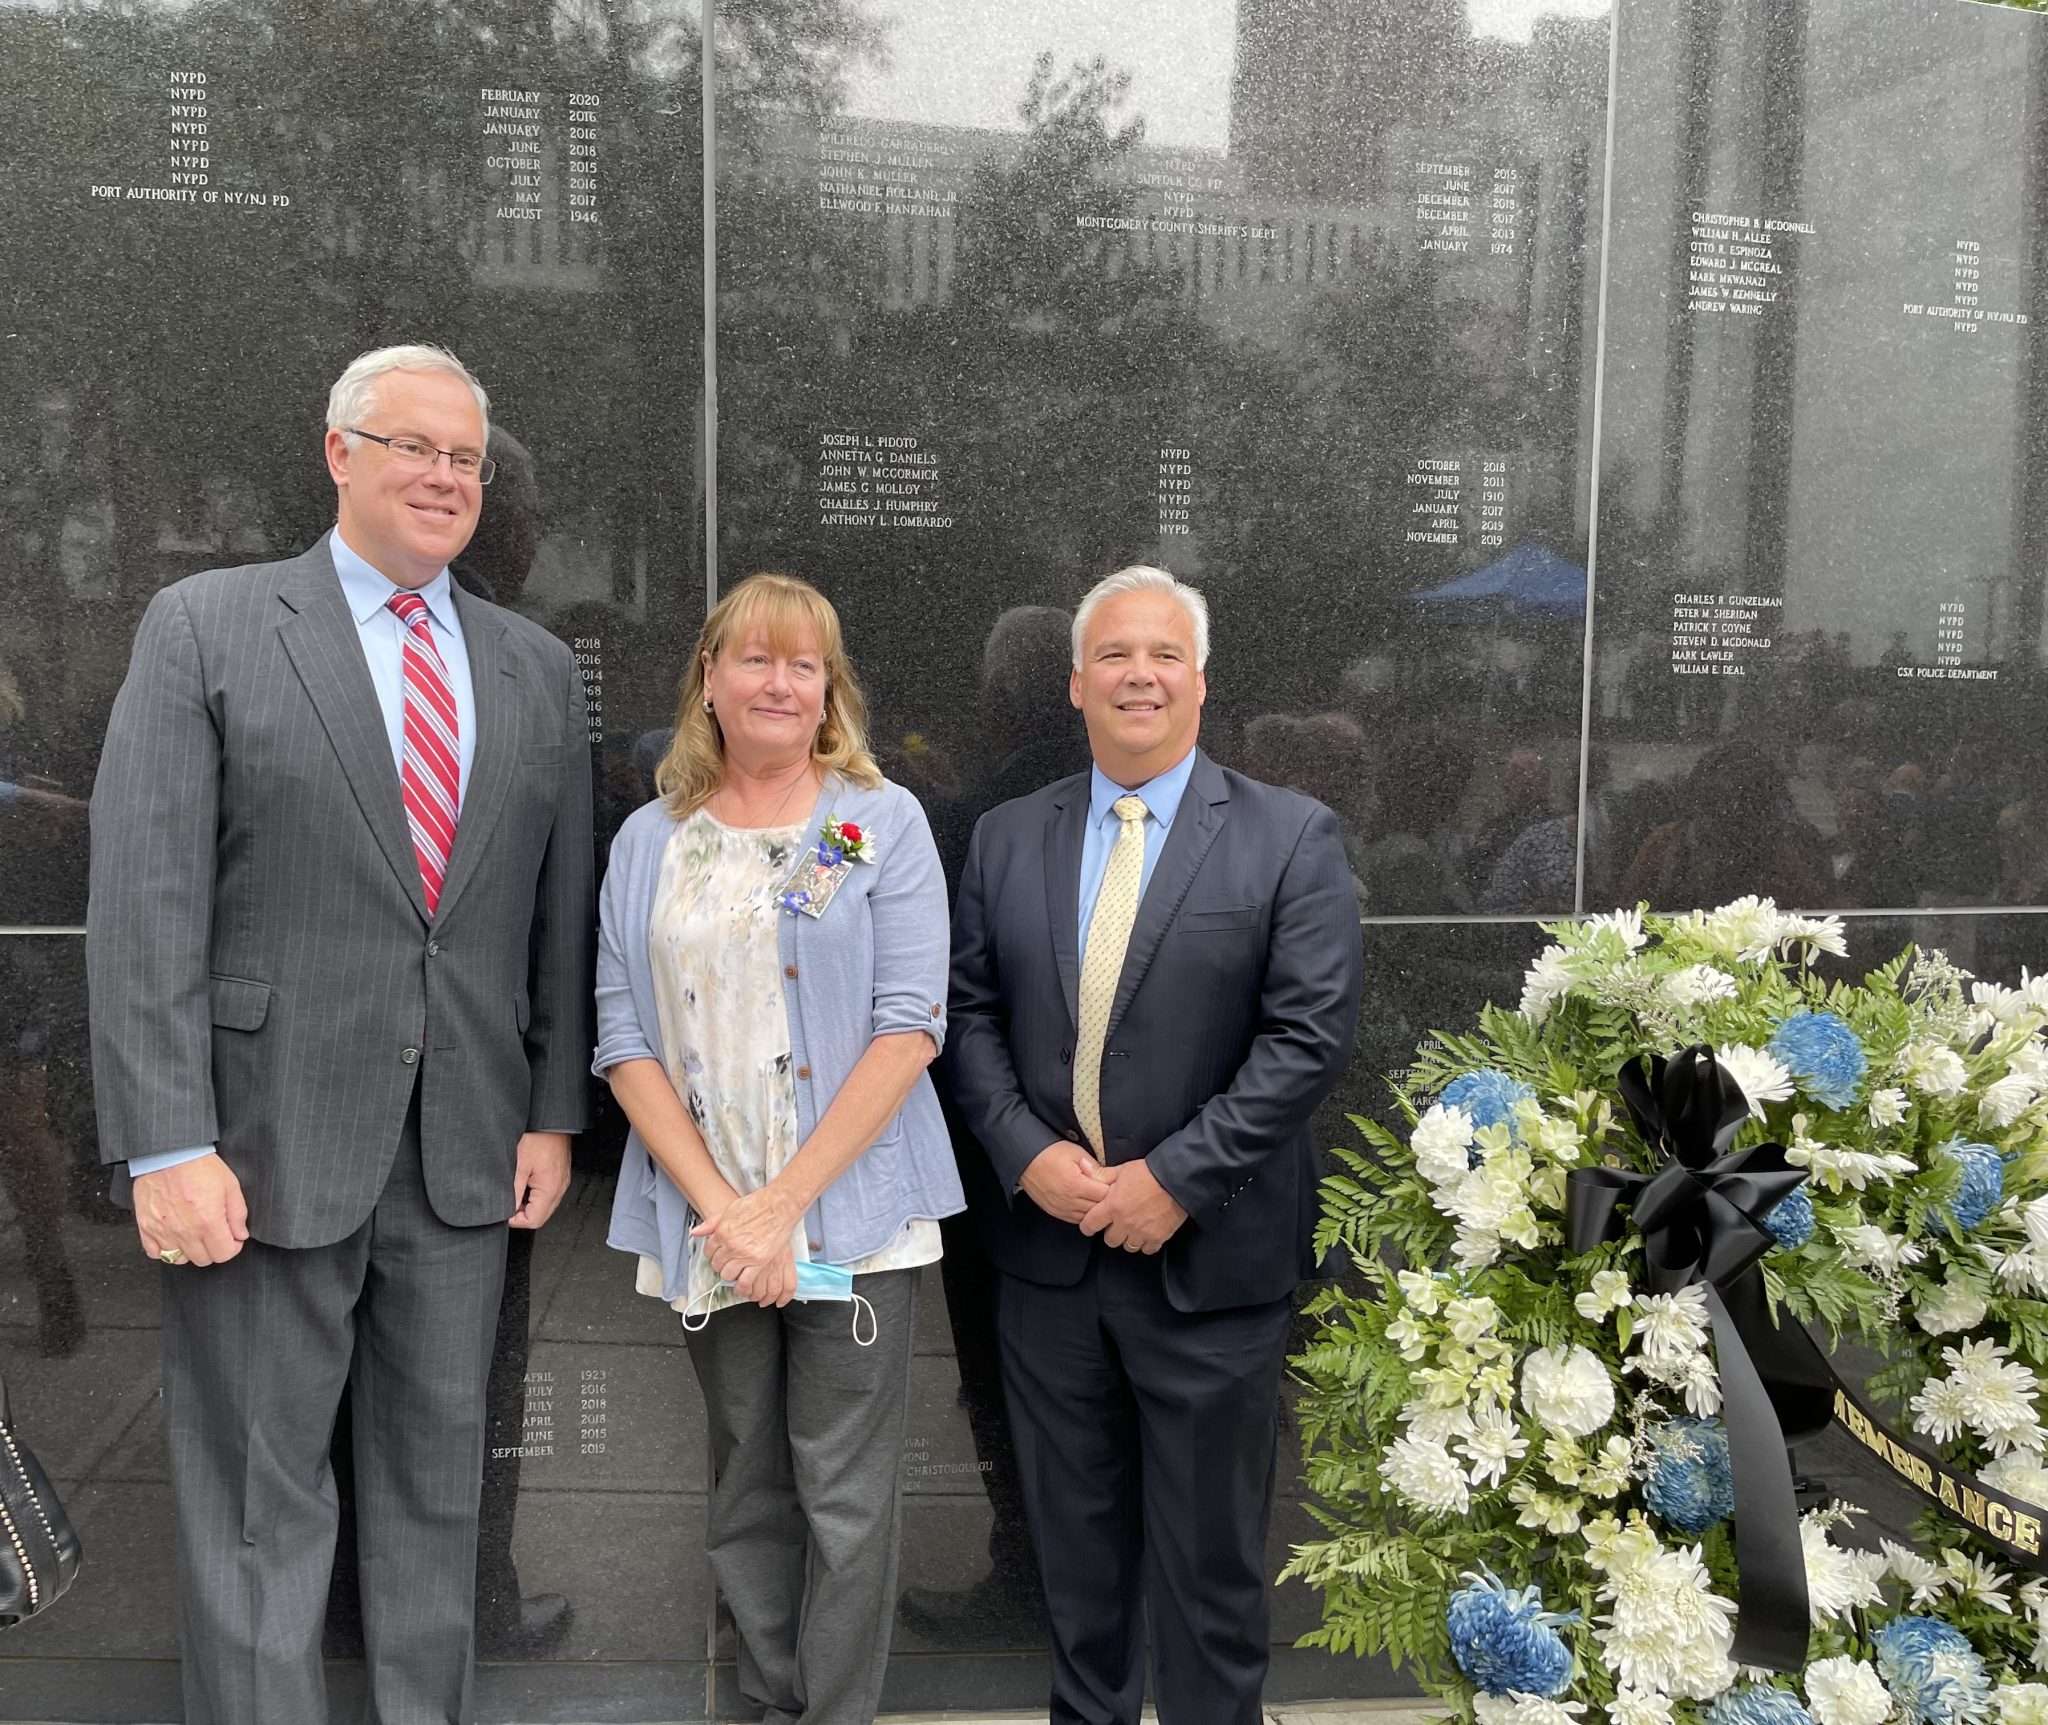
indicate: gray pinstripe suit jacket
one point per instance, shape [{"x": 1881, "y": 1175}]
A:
[{"x": 263, "y": 972}]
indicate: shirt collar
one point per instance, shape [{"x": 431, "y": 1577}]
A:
[
  {"x": 1161, "y": 795},
  {"x": 368, "y": 589}
]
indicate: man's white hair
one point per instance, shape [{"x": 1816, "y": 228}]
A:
[
  {"x": 1143, "y": 578},
  {"x": 354, "y": 395}
]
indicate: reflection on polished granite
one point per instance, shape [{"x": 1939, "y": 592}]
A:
[{"x": 225, "y": 205}]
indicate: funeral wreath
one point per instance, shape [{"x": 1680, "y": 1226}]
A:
[{"x": 1616, "y": 1258}]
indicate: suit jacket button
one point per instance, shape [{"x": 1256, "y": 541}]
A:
[
  {"x": 433, "y": 949},
  {"x": 1066, "y": 1054},
  {"x": 803, "y": 1072},
  {"x": 410, "y": 1056},
  {"x": 789, "y": 970}
]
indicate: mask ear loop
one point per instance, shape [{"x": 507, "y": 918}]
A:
[
  {"x": 703, "y": 1318},
  {"x": 874, "y": 1328}
]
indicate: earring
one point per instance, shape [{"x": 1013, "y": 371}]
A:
[{"x": 707, "y": 704}]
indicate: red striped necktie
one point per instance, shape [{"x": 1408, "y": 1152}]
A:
[{"x": 431, "y": 776}]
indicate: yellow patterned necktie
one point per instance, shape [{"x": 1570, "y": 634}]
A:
[{"x": 1109, "y": 933}]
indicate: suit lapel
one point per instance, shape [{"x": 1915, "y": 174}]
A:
[
  {"x": 1063, "y": 834},
  {"x": 1195, "y": 826},
  {"x": 493, "y": 678},
  {"x": 320, "y": 639}
]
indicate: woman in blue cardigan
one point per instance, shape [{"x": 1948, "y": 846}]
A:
[{"x": 771, "y": 986}]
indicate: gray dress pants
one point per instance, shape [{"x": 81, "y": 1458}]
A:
[
  {"x": 807, "y": 1443},
  {"x": 255, "y": 1353}
]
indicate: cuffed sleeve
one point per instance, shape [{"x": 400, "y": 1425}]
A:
[{"x": 907, "y": 906}]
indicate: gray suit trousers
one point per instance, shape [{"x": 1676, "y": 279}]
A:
[
  {"x": 807, "y": 1440},
  {"x": 255, "y": 1354}
]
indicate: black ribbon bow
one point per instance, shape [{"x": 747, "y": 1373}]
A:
[{"x": 1701, "y": 1216}]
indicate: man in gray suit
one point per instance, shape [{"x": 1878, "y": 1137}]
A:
[{"x": 339, "y": 949}]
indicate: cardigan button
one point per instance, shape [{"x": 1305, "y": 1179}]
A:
[
  {"x": 803, "y": 1072},
  {"x": 789, "y": 970}
]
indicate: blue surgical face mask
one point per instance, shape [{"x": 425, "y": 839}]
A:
[{"x": 816, "y": 1281}]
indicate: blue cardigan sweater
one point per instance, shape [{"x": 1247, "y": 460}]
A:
[{"x": 872, "y": 965}]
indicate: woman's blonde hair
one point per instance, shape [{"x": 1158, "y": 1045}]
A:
[{"x": 789, "y": 613}]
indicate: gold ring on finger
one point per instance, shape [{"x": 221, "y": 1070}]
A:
[{"x": 170, "y": 1255}]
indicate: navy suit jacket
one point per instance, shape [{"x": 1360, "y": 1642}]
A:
[{"x": 1232, "y": 1019}]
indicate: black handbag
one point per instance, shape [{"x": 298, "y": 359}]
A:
[{"x": 39, "y": 1549}]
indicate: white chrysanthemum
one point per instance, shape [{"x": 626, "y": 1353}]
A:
[
  {"x": 1838, "y": 1169},
  {"x": 1938, "y": 1410},
  {"x": 2006, "y": 1099},
  {"x": 1546, "y": 982},
  {"x": 1975, "y": 1580},
  {"x": 1494, "y": 1441},
  {"x": 2030, "y": 1059},
  {"x": 1817, "y": 934},
  {"x": 1515, "y": 1708},
  {"x": 2020, "y": 1472},
  {"x": 1887, "y": 1108},
  {"x": 1955, "y": 1305},
  {"x": 1837, "y": 1581},
  {"x": 1928, "y": 1580},
  {"x": 1568, "y": 1390},
  {"x": 1608, "y": 1289},
  {"x": 2002, "y": 1005},
  {"x": 1747, "y": 928},
  {"x": 1760, "y": 1075},
  {"x": 2022, "y": 1272},
  {"x": 1869, "y": 1247},
  {"x": 1442, "y": 1142},
  {"x": 1670, "y": 1328},
  {"x": 1626, "y": 923},
  {"x": 1696, "y": 985},
  {"x": 1843, "y": 1691},
  {"x": 1642, "y": 1707},
  {"x": 1426, "y": 1476},
  {"x": 1986, "y": 1391},
  {"x": 2022, "y": 1703},
  {"x": 1667, "y": 1630},
  {"x": 1933, "y": 1070},
  {"x": 2034, "y": 1218}
]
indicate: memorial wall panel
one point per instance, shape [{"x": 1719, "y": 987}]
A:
[
  {"x": 1818, "y": 625},
  {"x": 1292, "y": 298}
]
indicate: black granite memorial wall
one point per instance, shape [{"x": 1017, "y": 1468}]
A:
[{"x": 1612, "y": 436}]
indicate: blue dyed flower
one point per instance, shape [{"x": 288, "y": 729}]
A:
[
  {"x": 829, "y": 855},
  {"x": 1505, "y": 1641},
  {"x": 1758, "y": 1704},
  {"x": 1983, "y": 1183},
  {"x": 1824, "y": 1055},
  {"x": 1933, "y": 1672},
  {"x": 1791, "y": 1220},
  {"x": 1691, "y": 1483},
  {"x": 1488, "y": 1096}
]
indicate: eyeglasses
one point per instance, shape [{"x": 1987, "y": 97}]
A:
[{"x": 410, "y": 452}]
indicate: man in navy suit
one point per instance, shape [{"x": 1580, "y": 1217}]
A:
[{"x": 1156, "y": 975}]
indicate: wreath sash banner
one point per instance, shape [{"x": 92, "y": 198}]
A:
[{"x": 2009, "y": 1523}]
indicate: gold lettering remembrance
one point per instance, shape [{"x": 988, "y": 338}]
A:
[{"x": 2017, "y": 1529}]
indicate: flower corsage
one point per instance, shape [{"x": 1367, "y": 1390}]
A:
[{"x": 824, "y": 866}]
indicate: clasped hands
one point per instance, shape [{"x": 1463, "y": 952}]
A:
[
  {"x": 747, "y": 1244},
  {"x": 1122, "y": 1201}
]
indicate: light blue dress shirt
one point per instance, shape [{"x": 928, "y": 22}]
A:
[
  {"x": 1161, "y": 797},
  {"x": 368, "y": 594}
]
